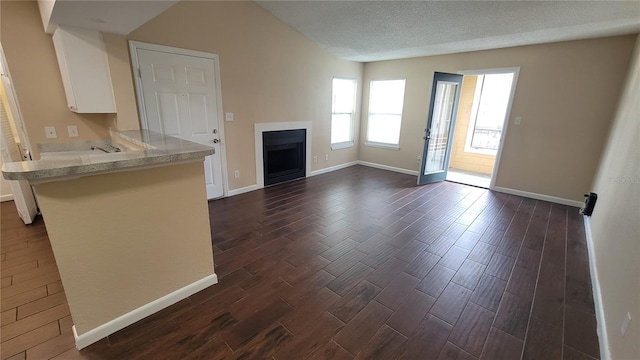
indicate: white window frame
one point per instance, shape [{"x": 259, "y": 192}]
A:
[
  {"x": 350, "y": 142},
  {"x": 380, "y": 144}
]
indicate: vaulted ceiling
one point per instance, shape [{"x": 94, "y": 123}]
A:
[{"x": 380, "y": 30}]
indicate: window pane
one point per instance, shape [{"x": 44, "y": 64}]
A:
[
  {"x": 486, "y": 139},
  {"x": 384, "y": 128},
  {"x": 343, "y": 105},
  {"x": 440, "y": 126},
  {"x": 340, "y": 128},
  {"x": 386, "y": 96},
  {"x": 492, "y": 109},
  {"x": 344, "y": 95}
]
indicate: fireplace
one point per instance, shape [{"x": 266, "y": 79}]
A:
[{"x": 284, "y": 155}]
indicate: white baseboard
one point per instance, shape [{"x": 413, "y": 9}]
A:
[
  {"x": 603, "y": 339},
  {"x": 242, "y": 190},
  {"x": 390, "y": 168},
  {"x": 7, "y": 197},
  {"x": 332, "y": 168},
  {"x": 537, "y": 196},
  {"x": 328, "y": 170},
  {"x": 249, "y": 188},
  {"x": 119, "y": 323}
]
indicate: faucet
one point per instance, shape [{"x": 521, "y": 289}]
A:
[
  {"x": 99, "y": 148},
  {"x": 115, "y": 148}
]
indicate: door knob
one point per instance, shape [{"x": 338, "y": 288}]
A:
[{"x": 215, "y": 141}]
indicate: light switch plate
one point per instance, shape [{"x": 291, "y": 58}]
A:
[
  {"x": 50, "y": 132},
  {"x": 518, "y": 120},
  {"x": 73, "y": 131},
  {"x": 228, "y": 116}
]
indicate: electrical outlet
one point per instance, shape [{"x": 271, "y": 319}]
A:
[
  {"x": 315, "y": 159},
  {"x": 625, "y": 324},
  {"x": 73, "y": 131},
  {"x": 228, "y": 116},
  {"x": 418, "y": 158},
  {"x": 518, "y": 120},
  {"x": 236, "y": 174},
  {"x": 326, "y": 157},
  {"x": 50, "y": 131}
]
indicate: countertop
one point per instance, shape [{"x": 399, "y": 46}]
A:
[{"x": 141, "y": 148}]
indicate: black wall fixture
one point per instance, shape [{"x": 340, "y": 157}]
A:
[{"x": 589, "y": 203}]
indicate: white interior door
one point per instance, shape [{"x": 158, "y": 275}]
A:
[
  {"x": 22, "y": 193},
  {"x": 179, "y": 96}
]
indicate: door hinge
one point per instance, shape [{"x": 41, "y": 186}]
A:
[{"x": 139, "y": 73}]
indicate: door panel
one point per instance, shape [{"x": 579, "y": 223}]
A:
[
  {"x": 445, "y": 93},
  {"x": 179, "y": 95},
  {"x": 167, "y": 121},
  {"x": 163, "y": 73},
  {"x": 196, "y": 76},
  {"x": 198, "y": 110}
]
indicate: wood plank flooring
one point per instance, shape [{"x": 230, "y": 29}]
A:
[{"x": 355, "y": 264}]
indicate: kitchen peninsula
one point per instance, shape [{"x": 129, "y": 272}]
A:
[{"x": 128, "y": 222}]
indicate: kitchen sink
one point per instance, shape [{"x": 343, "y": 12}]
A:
[{"x": 85, "y": 148}]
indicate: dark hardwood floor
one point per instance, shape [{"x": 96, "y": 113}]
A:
[{"x": 355, "y": 264}]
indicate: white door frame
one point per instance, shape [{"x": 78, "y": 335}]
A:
[
  {"x": 505, "y": 124},
  {"x": 135, "y": 65}
]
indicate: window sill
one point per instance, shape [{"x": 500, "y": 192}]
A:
[
  {"x": 480, "y": 151},
  {"x": 382, "y": 145},
  {"x": 342, "y": 145}
]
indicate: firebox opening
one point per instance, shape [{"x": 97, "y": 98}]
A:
[{"x": 284, "y": 155}]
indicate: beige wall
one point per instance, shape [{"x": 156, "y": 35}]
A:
[
  {"x": 566, "y": 95},
  {"x": 615, "y": 224},
  {"x": 461, "y": 159},
  {"x": 34, "y": 68},
  {"x": 122, "y": 81},
  {"x": 119, "y": 245},
  {"x": 269, "y": 73}
]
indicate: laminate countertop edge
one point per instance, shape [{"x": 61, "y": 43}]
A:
[{"x": 151, "y": 149}]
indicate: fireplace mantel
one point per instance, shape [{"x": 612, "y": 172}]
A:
[{"x": 276, "y": 126}]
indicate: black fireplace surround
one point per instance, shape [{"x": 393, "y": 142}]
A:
[{"x": 284, "y": 155}]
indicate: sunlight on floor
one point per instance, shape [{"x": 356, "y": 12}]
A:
[{"x": 469, "y": 178}]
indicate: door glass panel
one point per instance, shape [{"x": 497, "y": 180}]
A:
[{"x": 440, "y": 124}]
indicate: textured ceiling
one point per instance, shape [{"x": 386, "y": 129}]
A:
[{"x": 382, "y": 30}]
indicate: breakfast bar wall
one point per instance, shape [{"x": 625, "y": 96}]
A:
[
  {"x": 116, "y": 221},
  {"x": 119, "y": 247}
]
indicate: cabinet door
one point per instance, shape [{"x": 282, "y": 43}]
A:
[{"x": 85, "y": 70}]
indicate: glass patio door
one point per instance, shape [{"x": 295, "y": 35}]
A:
[{"x": 438, "y": 134}]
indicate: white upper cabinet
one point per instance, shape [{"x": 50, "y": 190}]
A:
[{"x": 85, "y": 70}]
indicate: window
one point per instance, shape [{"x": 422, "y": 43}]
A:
[
  {"x": 343, "y": 107},
  {"x": 386, "y": 98},
  {"x": 489, "y": 109}
]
